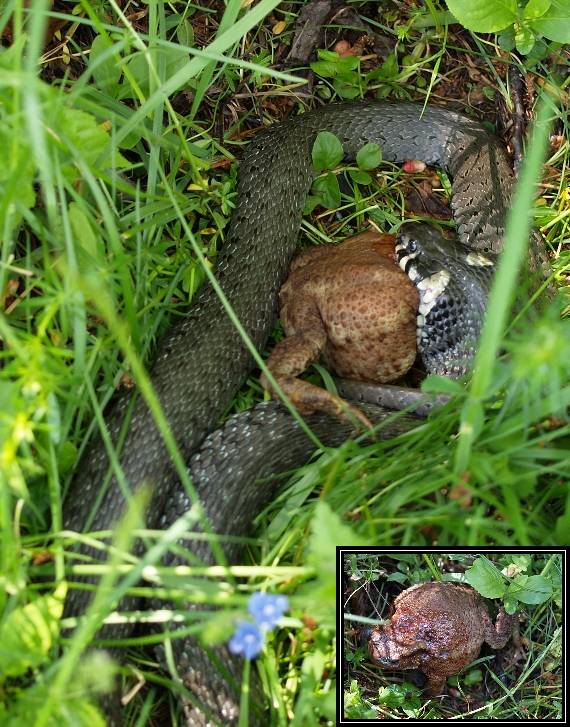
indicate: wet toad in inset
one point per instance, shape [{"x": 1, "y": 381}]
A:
[{"x": 437, "y": 628}]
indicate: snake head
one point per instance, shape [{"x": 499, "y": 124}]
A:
[{"x": 453, "y": 282}]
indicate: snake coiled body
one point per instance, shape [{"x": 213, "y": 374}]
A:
[{"x": 202, "y": 361}]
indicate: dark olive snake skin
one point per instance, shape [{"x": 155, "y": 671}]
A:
[{"x": 202, "y": 361}]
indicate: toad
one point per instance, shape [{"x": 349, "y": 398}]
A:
[
  {"x": 437, "y": 628},
  {"x": 351, "y": 306}
]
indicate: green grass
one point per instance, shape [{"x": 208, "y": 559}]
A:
[{"x": 115, "y": 188}]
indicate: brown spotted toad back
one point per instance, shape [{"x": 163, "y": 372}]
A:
[
  {"x": 352, "y": 306},
  {"x": 437, "y": 628}
]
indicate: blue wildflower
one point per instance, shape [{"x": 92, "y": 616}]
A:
[
  {"x": 267, "y": 609},
  {"x": 247, "y": 640}
]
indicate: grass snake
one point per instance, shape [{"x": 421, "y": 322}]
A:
[{"x": 202, "y": 361}]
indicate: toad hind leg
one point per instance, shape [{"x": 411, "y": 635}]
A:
[
  {"x": 435, "y": 683},
  {"x": 291, "y": 357},
  {"x": 498, "y": 635}
]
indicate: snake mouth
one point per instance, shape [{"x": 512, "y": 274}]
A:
[
  {"x": 406, "y": 253},
  {"x": 431, "y": 287}
]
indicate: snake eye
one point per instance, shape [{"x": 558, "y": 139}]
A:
[{"x": 412, "y": 245}]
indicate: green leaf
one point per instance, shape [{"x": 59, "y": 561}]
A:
[
  {"x": 389, "y": 70},
  {"x": 484, "y": 16},
  {"x": 75, "y": 711},
  {"x": 473, "y": 676},
  {"x": 360, "y": 177},
  {"x": 348, "y": 89},
  {"x": 539, "y": 52},
  {"x": 562, "y": 531},
  {"x": 327, "y": 531},
  {"x": 355, "y": 706},
  {"x": 327, "y": 190},
  {"x": 311, "y": 202},
  {"x": 185, "y": 33},
  {"x": 106, "y": 72},
  {"x": 369, "y": 157},
  {"x": 536, "y": 8},
  {"x": 510, "y": 604},
  {"x": 531, "y": 590},
  {"x": 325, "y": 69},
  {"x": 404, "y": 695},
  {"x": 28, "y": 633},
  {"x": 17, "y": 169},
  {"x": 87, "y": 137},
  {"x": 327, "y": 151},
  {"x": 524, "y": 39},
  {"x": 173, "y": 59},
  {"x": 555, "y": 23},
  {"x": 83, "y": 232},
  {"x": 11, "y": 57},
  {"x": 506, "y": 39},
  {"x": 486, "y": 579},
  {"x": 66, "y": 456},
  {"x": 331, "y": 65}
]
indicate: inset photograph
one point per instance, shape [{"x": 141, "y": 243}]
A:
[{"x": 440, "y": 635}]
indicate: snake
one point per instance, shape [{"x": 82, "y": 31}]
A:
[{"x": 202, "y": 360}]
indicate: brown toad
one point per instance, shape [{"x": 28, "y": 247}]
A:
[
  {"x": 352, "y": 306},
  {"x": 437, "y": 628}
]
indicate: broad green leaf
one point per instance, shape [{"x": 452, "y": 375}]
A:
[
  {"x": 66, "y": 456},
  {"x": 11, "y": 57},
  {"x": 83, "y": 232},
  {"x": 185, "y": 33},
  {"x": 73, "y": 712},
  {"x": 87, "y": 137},
  {"x": 524, "y": 39},
  {"x": 484, "y": 16},
  {"x": 510, "y": 604},
  {"x": 404, "y": 695},
  {"x": 473, "y": 676},
  {"x": 540, "y": 50},
  {"x": 327, "y": 151},
  {"x": 355, "y": 706},
  {"x": 360, "y": 177},
  {"x": 16, "y": 161},
  {"x": 389, "y": 69},
  {"x": 347, "y": 88},
  {"x": 555, "y": 23},
  {"x": 174, "y": 60},
  {"x": 327, "y": 190},
  {"x": 106, "y": 72},
  {"x": 28, "y": 632},
  {"x": 486, "y": 579},
  {"x": 530, "y": 589},
  {"x": 327, "y": 531},
  {"x": 536, "y": 8},
  {"x": 326, "y": 69},
  {"x": 331, "y": 65},
  {"x": 369, "y": 157},
  {"x": 506, "y": 38},
  {"x": 562, "y": 531}
]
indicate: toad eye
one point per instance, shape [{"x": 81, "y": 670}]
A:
[{"x": 412, "y": 245}]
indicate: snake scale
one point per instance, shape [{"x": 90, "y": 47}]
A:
[{"x": 202, "y": 361}]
